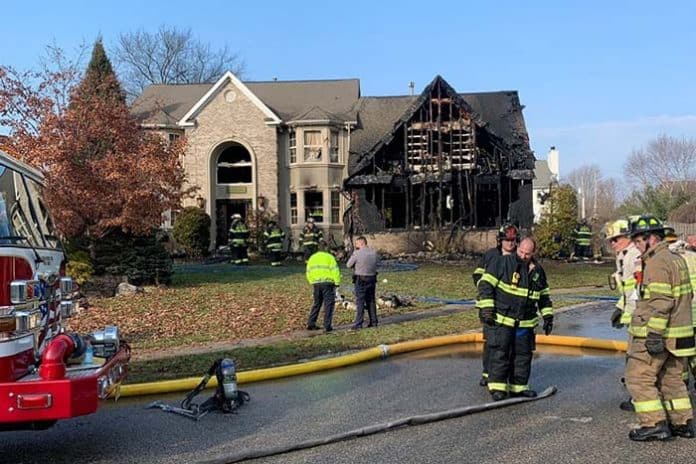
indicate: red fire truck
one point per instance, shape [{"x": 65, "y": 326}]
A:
[{"x": 46, "y": 373}]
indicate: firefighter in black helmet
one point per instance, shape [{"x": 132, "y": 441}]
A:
[{"x": 506, "y": 243}]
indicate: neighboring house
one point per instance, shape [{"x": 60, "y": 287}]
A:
[
  {"x": 356, "y": 164},
  {"x": 546, "y": 176}
]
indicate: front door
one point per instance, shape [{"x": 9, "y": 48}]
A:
[{"x": 224, "y": 209}]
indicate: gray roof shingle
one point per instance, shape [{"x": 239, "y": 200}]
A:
[{"x": 168, "y": 103}]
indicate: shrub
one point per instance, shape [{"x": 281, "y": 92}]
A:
[
  {"x": 192, "y": 231},
  {"x": 554, "y": 233},
  {"x": 142, "y": 259},
  {"x": 79, "y": 266}
]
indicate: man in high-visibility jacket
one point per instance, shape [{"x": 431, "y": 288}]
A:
[
  {"x": 324, "y": 276},
  {"x": 310, "y": 237},
  {"x": 238, "y": 238},
  {"x": 507, "y": 238},
  {"x": 274, "y": 236},
  {"x": 583, "y": 240},
  {"x": 662, "y": 338},
  {"x": 511, "y": 293}
]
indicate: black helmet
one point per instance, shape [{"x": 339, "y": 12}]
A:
[
  {"x": 508, "y": 232},
  {"x": 647, "y": 224}
]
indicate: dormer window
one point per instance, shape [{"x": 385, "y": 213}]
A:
[{"x": 312, "y": 146}]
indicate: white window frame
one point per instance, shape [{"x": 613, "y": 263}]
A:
[{"x": 292, "y": 146}]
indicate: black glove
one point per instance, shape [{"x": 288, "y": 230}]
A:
[
  {"x": 616, "y": 319},
  {"x": 548, "y": 324},
  {"x": 655, "y": 343},
  {"x": 487, "y": 316}
]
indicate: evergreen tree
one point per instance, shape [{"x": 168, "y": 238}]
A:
[
  {"x": 100, "y": 79},
  {"x": 554, "y": 233}
]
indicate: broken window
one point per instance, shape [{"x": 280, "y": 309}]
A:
[
  {"x": 292, "y": 146},
  {"x": 312, "y": 146},
  {"x": 314, "y": 205},
  {"x": 335, "y": 207},
  {"x": 333, "y": 147},
  {"x": 234, "y": 166},
  {"x": 293, "y": 208}
]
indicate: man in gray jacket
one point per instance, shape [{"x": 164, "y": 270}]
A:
[{"x": 364, "y": 264}]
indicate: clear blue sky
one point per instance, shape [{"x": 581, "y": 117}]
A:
[{"x": 597, "y": 78}]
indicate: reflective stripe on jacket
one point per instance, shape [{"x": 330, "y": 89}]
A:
[
  {"x": 274, "y": 238},
  {"x": 485, "y": 260},
  {"x": 238, "y": 234},
  {"x": 583, "y": 235},
  {"x": 310, "y": 237},
  {"x": 627, "y": 262},
  {"x": 322, "y": 268},
  {"x": 665, "y": 301},
  {"x": 516, "y": 290}
]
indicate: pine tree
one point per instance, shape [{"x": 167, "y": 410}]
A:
[{"x": 100, "y": 79}]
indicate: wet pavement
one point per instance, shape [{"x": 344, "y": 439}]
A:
[{"x": 581, "y": 423}]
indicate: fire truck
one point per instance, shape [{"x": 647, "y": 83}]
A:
[{"x": 46, "y": 372}]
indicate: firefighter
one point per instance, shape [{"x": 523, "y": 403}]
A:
[
  {"x": 583, "y": 240},
  {"x": 273, "y": 237},
  {"x": 662, "y": 338},
  {"x": 627, "y": 265},
  {"x": 238, "y": 238},
  {"x": 511, "y": 292},
  {"x": 506, "y": 243},
  {"x": 310, "y": 237},
  {"x": 687, "y": 252}
]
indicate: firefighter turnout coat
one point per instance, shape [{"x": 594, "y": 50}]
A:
[
  {"x": 518, "y": 292},
  {"x": 627, "y": 264},
  {"x": 654, "y": 380}
]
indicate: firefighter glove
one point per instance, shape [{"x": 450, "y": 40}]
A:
[
  {"x": 616, "y": 319},
  {"x": 548, "y": 324},
  {"x": 655, "y": 343},
  {"x": 487, "y": 316}
]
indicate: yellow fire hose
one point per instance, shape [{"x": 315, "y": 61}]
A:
[{"x": 381, "y": 351}]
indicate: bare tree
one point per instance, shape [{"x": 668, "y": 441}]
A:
[
  {"x": 169, "y": 56},
  {"x": 601, "y": 195},
  {"x": 665, "y": 163}
]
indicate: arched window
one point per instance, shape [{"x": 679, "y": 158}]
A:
[{"x": 234, "y": 165}]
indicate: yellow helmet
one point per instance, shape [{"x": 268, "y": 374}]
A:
[{"x": 618, "y": 228}]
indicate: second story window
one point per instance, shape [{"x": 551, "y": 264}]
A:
[
  {"x": 312, "y": 146},
  {"x": 335, "y": 207},
  {"x": 173, "y": 137},
  {"x": 292, "y": 146},
  {"x": 333, "y": 147}
]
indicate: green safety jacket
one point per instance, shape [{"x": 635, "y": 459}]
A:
[
  {"x": 323, "y": 268},
  {"x": 517, "y": 290},
  {"x": 239, "y": 234},
  {"x": 274, "y": 238},
  {"x": 311, "y": 236},
  {"x": 664, "y": 306},
  {"x": 583, "y": 235},
  {"x": 627, "y": 264}
]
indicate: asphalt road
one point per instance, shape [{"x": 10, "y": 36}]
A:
[{"x": 581, "y": 423}]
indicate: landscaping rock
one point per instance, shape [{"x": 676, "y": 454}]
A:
[{"x": 125, "y": 288}]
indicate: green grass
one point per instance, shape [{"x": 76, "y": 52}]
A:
[
  {"x": 292, "y": 351},
  {"x": 222, "y": 303}
]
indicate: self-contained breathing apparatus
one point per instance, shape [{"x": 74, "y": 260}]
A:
[{"x": 227, "y": 397}]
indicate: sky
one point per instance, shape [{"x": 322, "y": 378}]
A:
[{"x": 598, "y": 79}]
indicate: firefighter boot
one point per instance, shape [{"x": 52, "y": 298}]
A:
[
  {"x": 499, "y": 395},
  {"x": 684, "y": 430},
  {"x": 659, "y": 432},
  {"x": 525, "y": 394},
  {"x": 627, "y": 406}
]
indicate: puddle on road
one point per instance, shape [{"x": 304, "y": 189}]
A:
[{"x": 473, "y": 351}]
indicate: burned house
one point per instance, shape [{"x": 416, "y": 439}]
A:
[
  {"x": 300, "y": 149},
  {"x": 439, "y": 159}
]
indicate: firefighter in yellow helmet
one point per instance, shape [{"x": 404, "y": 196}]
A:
[{"x": 662, "y": 339}]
